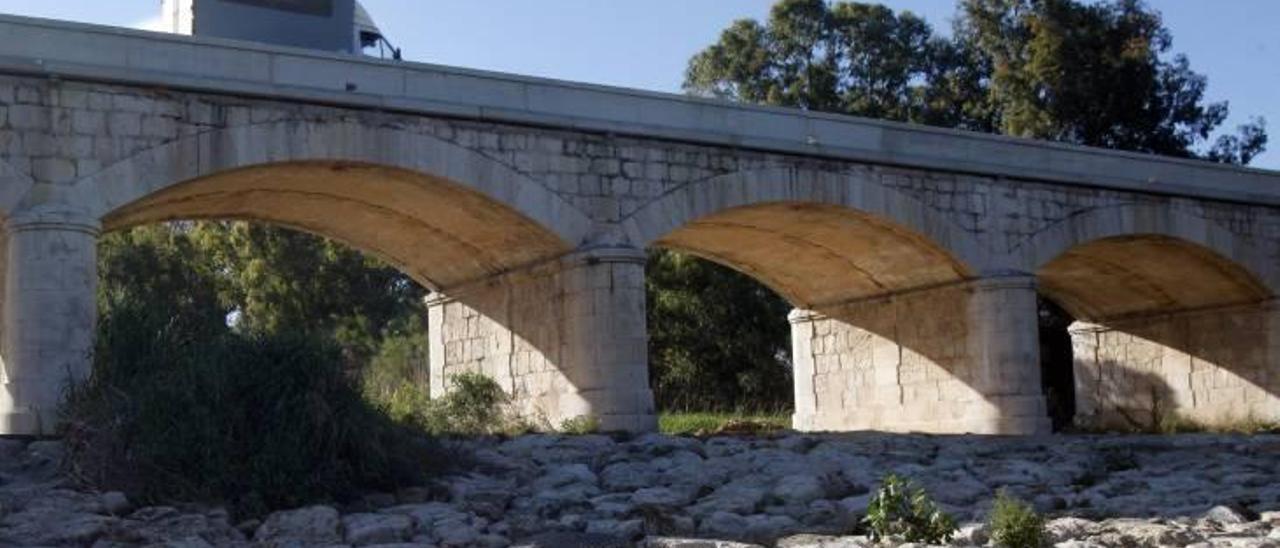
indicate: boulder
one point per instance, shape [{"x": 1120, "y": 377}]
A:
[
  {"x": 312, "y": 525},
  {"x": 369, "y": 528}
]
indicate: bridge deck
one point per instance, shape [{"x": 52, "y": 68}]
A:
[{"x": 75, "y": 51}]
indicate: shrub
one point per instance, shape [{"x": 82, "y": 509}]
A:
[
  {"x": 255, "y": 422},
  {"x": 580, "y": 425},
  {"x": 1015, "y": 524},
  {"x": 901, "y": 509}
]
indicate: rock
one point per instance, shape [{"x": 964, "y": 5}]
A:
[
  {"x": 366, "y": 528},
  {"x": 492, "y": 541},
  {"x": 426, "y": 515},
  {"x": 1230, "y": 514},
  {"x": 482, "y": 495},
  {"x": 628, "y": 529},
  {"x": 798, "y": 489},
  {"x": 660, "y": 497},
  {"x": 1069, "y": 528},
  {"x": 11, "y": 448},
  {"x": 305, "y": 526},
  {"x": 455, "y": 532},
  {"x": 973, "y": 534},
  {"x": 564, "y": 475},
  {"x": 672, "y": 542},
  {"x": 731, "y": 498},
  {"x": 767, "y": 529},
  {"x": 628, "y": 476},
  {"x": 561, "y": 539},
  {"x": 115, "y": 503},
  {"x": 722, "y": 524},
  {"x": 45, "y": 450},
  {"x": 820, "y": 541},
  {"x": 53, "y": 527}
]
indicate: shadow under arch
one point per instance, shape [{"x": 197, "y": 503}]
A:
[
  {"x": 859, "y": 193},
  {"x": 1175, "y": 319},
  {"x": 438, "y": 233},
  {"x": 886, "y": 340}
]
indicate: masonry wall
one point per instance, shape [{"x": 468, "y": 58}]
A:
[
  {"x": 1212, "y": 367},
  {"x": 934, "y": 360},
  {"x": 565, "y": 340}
]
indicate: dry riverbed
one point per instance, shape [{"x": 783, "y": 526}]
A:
[{"x": 790, "y": 490}]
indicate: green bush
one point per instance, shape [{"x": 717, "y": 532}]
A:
[
  {"x": 475, "y": 405},
  {"x": 580, "y": 425},
  {"x": 255, "y": 422},
  {"x": 900, "y": 509},
  {"x": 1015, "y": 524}
]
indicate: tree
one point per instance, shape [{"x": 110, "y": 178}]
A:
[
  {"x": 718, "y": 340},
  {"x": 1098, "y": 74},
  {"x": 282, "y": 280},
  {"x": 261, "y": 279}
]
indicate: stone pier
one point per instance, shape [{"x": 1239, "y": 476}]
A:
[
  {"x": 958, "y": 358},
  {"x": 1214, "y": 366},
  {"x": 49, "y": 309},
  {"x": 565, "y": 339}
]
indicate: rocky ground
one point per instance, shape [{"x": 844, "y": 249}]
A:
[{"x": 791, "y": 490}]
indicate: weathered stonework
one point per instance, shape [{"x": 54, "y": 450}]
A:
[
  {"x": 959, "y": 358},
  {"x": 527, "y": 205},
  {"x": 1213, "y": 367},
  {"x": 566, "y": 339}
]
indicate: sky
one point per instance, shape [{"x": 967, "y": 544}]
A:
[{"x": 646, "y": 44}]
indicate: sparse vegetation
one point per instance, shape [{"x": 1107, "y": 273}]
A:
[
  {"x": 474, "y": 405},
  {"x": 173, "y": 413},
  {"x": 902, "y": 510},
  {"x": 721, "y": 423},
  {"x": 1015, "y": 524},
  {"x": 580, "y": 425}
]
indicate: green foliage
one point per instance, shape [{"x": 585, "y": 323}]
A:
[
  {"x": 1100, "y": 74},
  {"x": 474, "y": 405},
  {"x": 900, "y": 509},
  {"x": 718, "y": 341},
  {"x": 1096, "y": 73},
  {"x": 175, "y": 413},
  {"x": 280, "y": 280},
  {"x": 580, "y": 425},
  {"x": 1015, "y": 524},
  {"x": 677, "y": 424},
  {"x": 853, "y": 58}
]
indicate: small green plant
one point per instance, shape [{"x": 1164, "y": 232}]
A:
[
  {"x": 901, "y": 509},
  {"x": 1015, "y": 524},
  {"x": 580, "y": 425},
  {"x": 474, "y": 405}
]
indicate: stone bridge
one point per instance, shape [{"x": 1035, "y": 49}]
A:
[{"x": 913, "y": 256}]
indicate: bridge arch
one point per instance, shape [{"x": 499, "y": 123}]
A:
[
  {"x": 1144, "y": 258},
  {"x": 1175, "y": 316},
  {"x": 782, "y": 225},
  {"x": 444, "y": 214}
]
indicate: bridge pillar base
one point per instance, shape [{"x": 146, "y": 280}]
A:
[
  {"x": 962, "y": 358},
  {"x": 565, "y": 339},
  {"x": 1213, "y": 367},
  {"x": 49, "y": 314}
]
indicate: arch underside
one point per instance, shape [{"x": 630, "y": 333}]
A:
[
  {"x": 437, "y": 232},
  {"x": 817, "y": 254},
  {"x": 1131, "y": 275}
]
